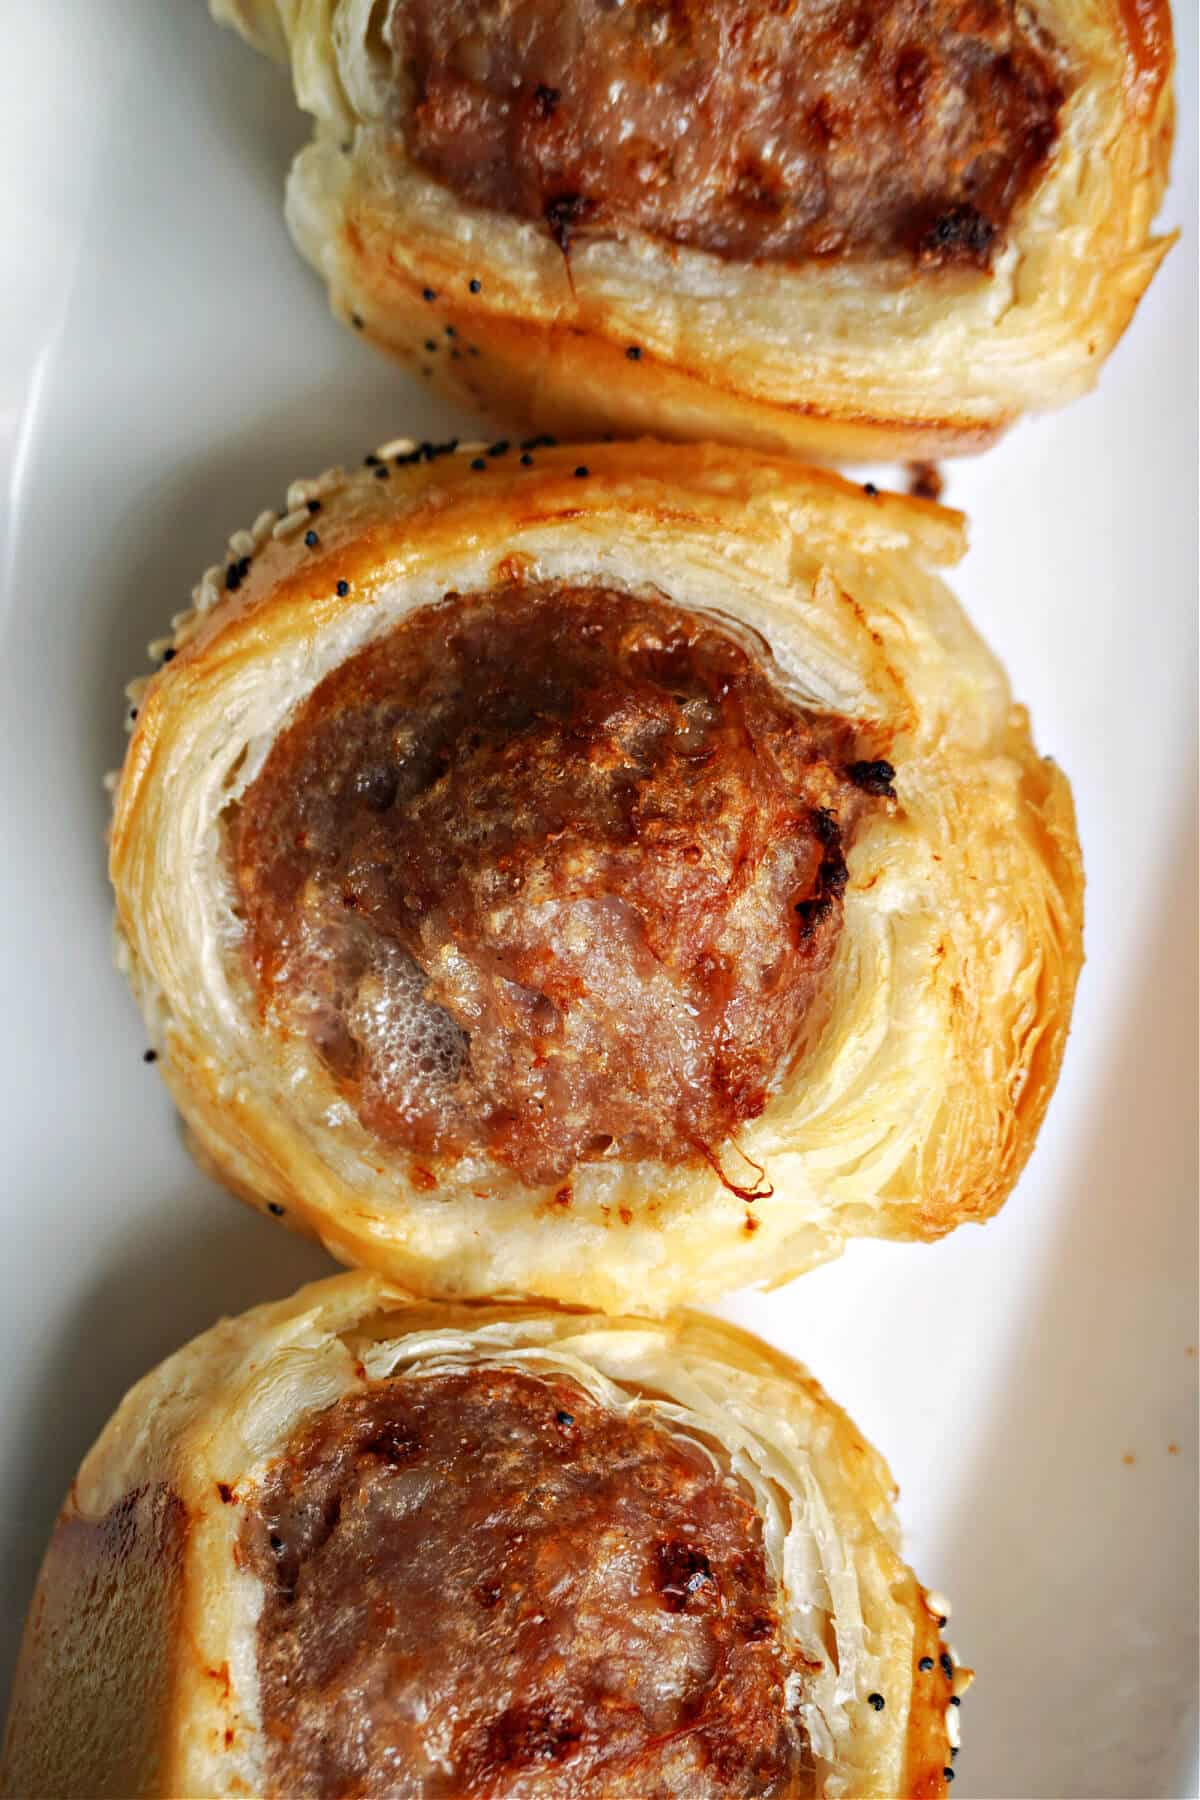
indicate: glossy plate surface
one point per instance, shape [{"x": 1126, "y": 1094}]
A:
[{"x": 166, "y": 365}]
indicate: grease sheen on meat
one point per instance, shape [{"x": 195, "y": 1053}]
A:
[
  {"x": 484, "y": 1582},
  {"x": 772, "y": 129},
  {"x": 550, "y": 873}
]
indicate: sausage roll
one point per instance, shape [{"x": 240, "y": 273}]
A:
[
  {"x": 845, "y": 229},
  {"x": 615, "y": 873},
  {"x": 355, "y": 1544}
]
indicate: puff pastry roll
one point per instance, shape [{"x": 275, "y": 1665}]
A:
[
  {"x": 614, "y": 873},
  {"x": 851, "y": 230},
  {"x": 353, "y": 1544}
]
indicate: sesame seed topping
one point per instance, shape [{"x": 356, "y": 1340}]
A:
[
  {"x": 343, "y": 588},
  {"x": 428, "y": 294},
  {"x": 475, "y": 286},
  {"x": 947, "y": 1666},
  {"x": 870, "y": 489},
  {"x": 311, "y": 539},
  {"x": 634, "y": 352},
  {"x": 479, "y": 463},
  {"x": 955, "y": 1700},
  {"x": 314, "y": 506},
  {"x": 149, "y": 1056},
  {"x": 370, "y": 459},
  {"x": 356, "y": 321},
  {"x": 925, "y": 1664},
  {"x": 948, "y": 1774},
  {"x": 273, "y": 1206},
  {"x": 450, "y": 331},
  {"x": 527, "y": 460},
  {"x": 566, "y": 1418},
  {"x": 582, "y": 472},
  {"x": 431, "y": 343},
  {"x": 382, "y": 473},
  {"x": 290, "y": 524},
  {"x": 498, "y": 448},
  {"x": 168, "y": 655},
  {"x": 877, "y": 1701}
]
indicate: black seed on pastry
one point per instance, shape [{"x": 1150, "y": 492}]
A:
[
  {"x": 314, "y": 506},
  {"x": 955, "y": 1700},
  {"x": 450, "y": 331},
  {"x": 948, "y": 1774},
  {"x": 168, "y": 655},
  {"x": 149, "y": 1056},
  {"x": 925, "y": 1664},
  {"x": 343, "y": 588},
  {"x": 582, "y": 472},
  {"x": 873, "y": 778},
  {"x": 498, "y": 448},
  {"x": 877, "y": 1701},
  {"x": 474, "y": 285},
  {"x": 634, "y": 353},
  {"x": 383, "y": 473},
  {"x": 870, "y": 489},
  {"x": 371, "y": 460},
  {"x": 273, "y": 1206},
  {"x": 566, "y": 1418},
  {"x": 527, "y": 460},
  {"x": 133, "y": 712},
  {"x": 430, "y": 344},
  {"x": 478, "y": 463},
  {"x": 311, "y": 539},
  {"x": 357, "y": 321},
  {"x": 947, "y": 1665},
  {"x": 428, "y": 294}
]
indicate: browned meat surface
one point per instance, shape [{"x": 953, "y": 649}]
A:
[
  {"x": 551, "y": 874},
  {"x": 481, "y": 1583},
  {"x": 776, "y": 129}
]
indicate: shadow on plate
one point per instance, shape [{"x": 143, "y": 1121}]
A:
[
  {"x": 1101, "y": 1388},
  {"x": 133, "y": 1316}
]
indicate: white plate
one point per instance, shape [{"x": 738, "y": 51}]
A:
[{"x": 166, "y": 365}]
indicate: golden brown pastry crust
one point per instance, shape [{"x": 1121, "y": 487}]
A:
[
  {"x": 841, "y": 361},
  {"x": 138, "y": 1672},
  {"x": 919, "y": 1098}
]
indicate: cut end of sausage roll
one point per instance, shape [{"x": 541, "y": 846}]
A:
[
  {"x": 845, "y": 230},
  {"x": 349, "y": 1543},
  {"x": 614, "y": 873}
]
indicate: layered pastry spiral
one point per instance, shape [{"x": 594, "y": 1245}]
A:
[
  {"x": 824, "y": 226},
  {"x": 613, "y": 873},
  {"x": 352, "y": 1543}
]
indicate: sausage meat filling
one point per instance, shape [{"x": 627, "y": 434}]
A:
[
  {"x": 485, "y": 1582},
  {"x": 780, "y": 130},
  {"x": 550, "y": 874}
]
